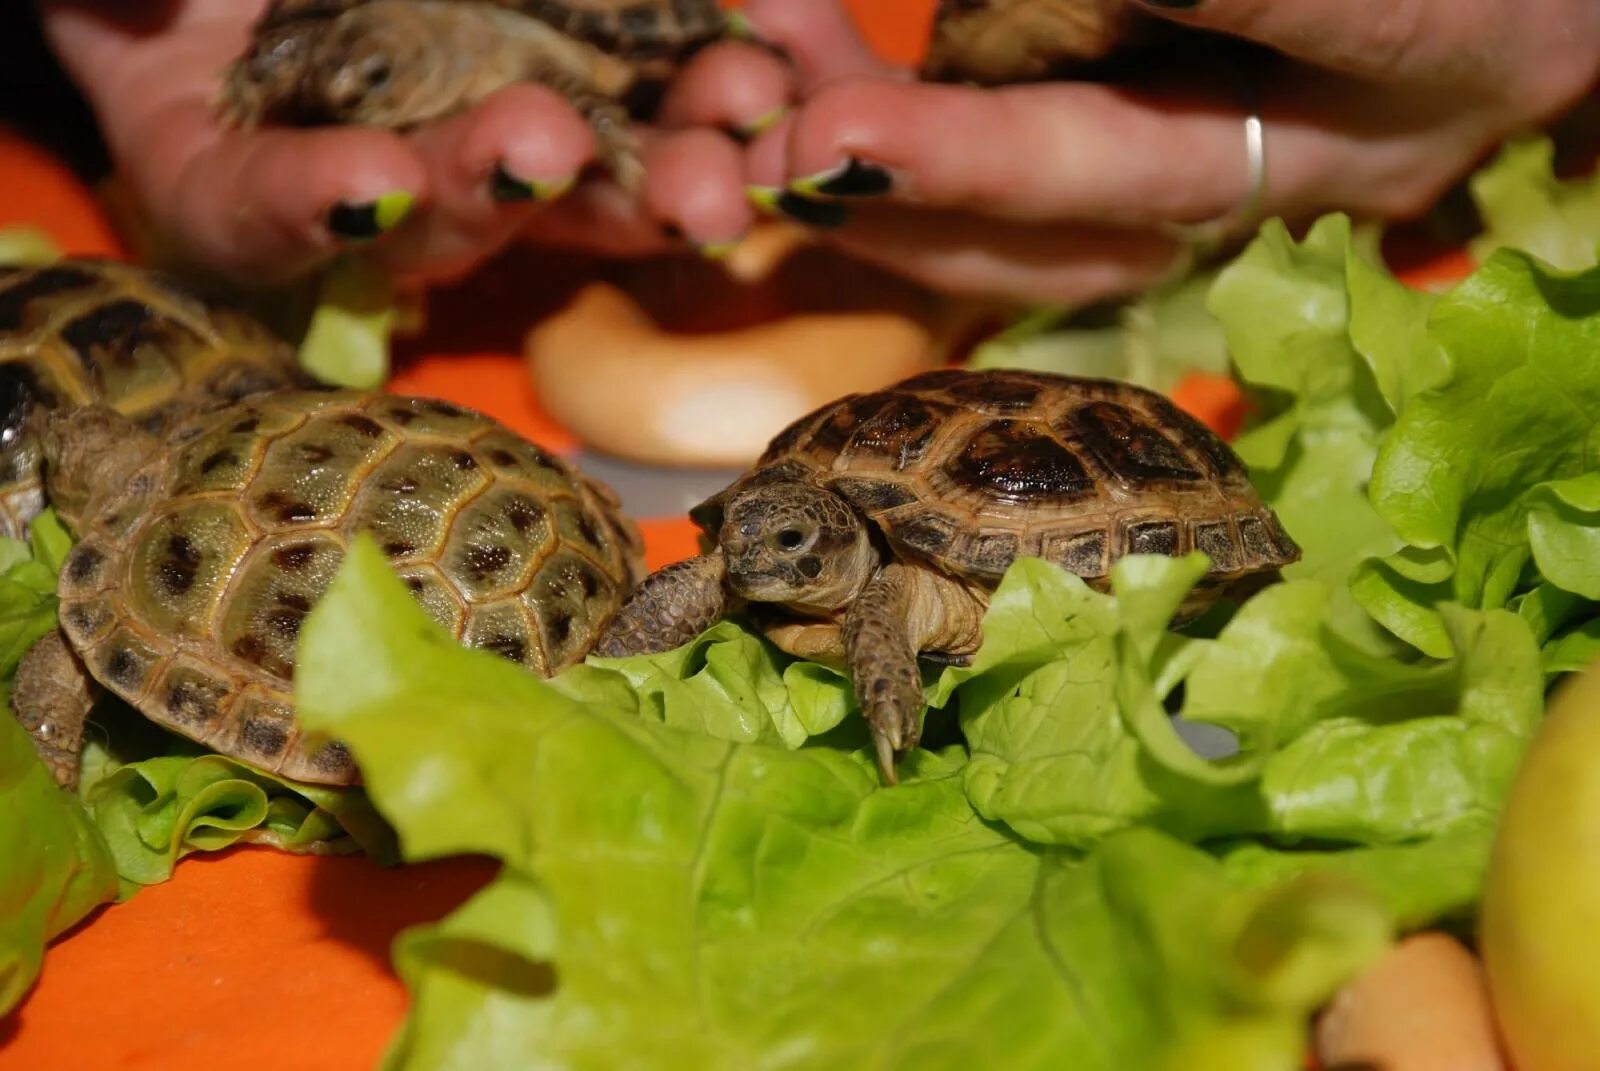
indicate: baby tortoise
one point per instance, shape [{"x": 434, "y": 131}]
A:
[
  {"x": 993, "y": 42},
  {"x": 84, "y": 330},
  {"x": 875, "y": 529},
  {"x": 200, "y": 552},
  {"x": 402, "y": 63}
]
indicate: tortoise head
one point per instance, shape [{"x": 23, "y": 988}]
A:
[
  {"x": 794, "y": 543},
  {"x": 370, "y": 69},
  {"x": 92, "y": 457}
]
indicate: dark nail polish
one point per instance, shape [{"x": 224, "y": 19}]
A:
[
  {"x": 366, "y": 220},
  {"x": 821, "y": 214},
  {"x": 855, "y": 178},
  {"x": 507, "y": 188}
]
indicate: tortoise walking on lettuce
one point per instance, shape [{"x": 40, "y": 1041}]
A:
[
  {"x": 205, "y": 537},
  {"x": 874, "y": 530}
]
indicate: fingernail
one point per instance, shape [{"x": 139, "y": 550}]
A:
[
  {"x": 737, "y": 25},
  {"x": 507, "y": 188},
  {"x": 754, "y": 128},
  {"x": 366, "y": 220},
  {"x": 719, "y": 250},
  {"x": 853, "y": 178},
  {"x": 776, "y": 202}
]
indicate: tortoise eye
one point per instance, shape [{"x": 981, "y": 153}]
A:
[
  {"x": 791, "y": 539},
  {"x": 378, "y": 74}
]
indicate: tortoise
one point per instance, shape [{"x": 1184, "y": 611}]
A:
[
  {"x": 87, "y": 330},
  {"x": 994, "y": 42},
  {"x": 200, "y": 551},
  {"x": 401, "y": 63},
  {"x": 874, "y": 530}
]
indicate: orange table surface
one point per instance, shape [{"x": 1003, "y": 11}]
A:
[{"x": 251, "y": 957}]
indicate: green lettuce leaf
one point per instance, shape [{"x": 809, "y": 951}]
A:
[
  {"x": 347, "y": 339},
  {"x": 711, "y": 902},
  {"x": 727, "y": 683},
  {"x": 1332, "y": 742},
  {"x": 1524, "y": 206},
  {"x": 154, "y": 811},
  {"x": 54, "y": 866},
  {"x": 1285, "y": 308},
  {"x": 1463, "y": 467},
  {"x": 1154, "y": 340}
]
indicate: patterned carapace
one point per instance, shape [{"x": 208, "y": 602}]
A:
[
  {"x": 187, "y": 600},
  {"x": 82, "y": 331}
]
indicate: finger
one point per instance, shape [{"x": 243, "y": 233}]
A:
[
  {"x": 820, "y": 39},
  {"x": 269, "y": 204},
  {"x": 696, "y": 187},
  {"x": 260, "y": 206},
  {"x": 489, "y": 170},
  {"x": 971, "y": 255},
  {"x": 733, "y": 86},
  {"x": 1040, "y": 152},
  {"x": 598, "y": 218}
]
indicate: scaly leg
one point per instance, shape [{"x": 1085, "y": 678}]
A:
[
  {"x": 674, "y": 605},
  {"x": 883, "y": 666},
  {"x": 903, "y": 611},
  {"x": 51, "y": 698}
]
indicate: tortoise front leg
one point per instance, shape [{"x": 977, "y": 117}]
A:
[
  {"x": 882, "y": 655},
  {"x": 52, "y": 697},
  {"x": 674, "y": 605},
  {"x": 902, "y": 612}
]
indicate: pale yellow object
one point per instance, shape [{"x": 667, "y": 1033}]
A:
[
  {"x": 626, "y": 384},
  {"x": 610, "y": 376},
  {"x": 1423, "y": 1007},
  {"x": 1540, "y": 924}
]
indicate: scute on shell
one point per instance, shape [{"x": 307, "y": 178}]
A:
[
  {"x": 191, "y": 610},
  {"x": 85, "y": 330},
  {"x": 970, "y": 470}
]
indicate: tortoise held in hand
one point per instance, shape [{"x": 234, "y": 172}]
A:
[
  {"x": 200, "y": 552},
  {"x": 402, "y": 63},
  {"x": 81, "y": 330},
  {"x": 880, "y": 525}
]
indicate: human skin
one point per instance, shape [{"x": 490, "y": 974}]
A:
[
  {"x": 255, "y": 205},
  {"x": 1065, "y": 191},
  {"x": 1060, "y": 192}
]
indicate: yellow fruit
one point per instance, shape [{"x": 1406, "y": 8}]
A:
[{"x": 1540, "y": 926}]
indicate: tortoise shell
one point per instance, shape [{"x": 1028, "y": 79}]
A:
[
  {"x": 622, "y": 27},
  {"x": 993, "y": 42},
  {"x": 188, "y": 602},
  {"x": 967, "y": 471},
  {"x": 611, "y": 44},
  {"x": 82, "y": 331}
]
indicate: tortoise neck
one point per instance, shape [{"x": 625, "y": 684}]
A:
[{"x": 95, "y": 461}]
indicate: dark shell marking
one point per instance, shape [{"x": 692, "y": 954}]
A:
[
  {"x": 193, "y": 614},
  {"x": 970, "y": 470},
  {"x": 85, "y": 330}
]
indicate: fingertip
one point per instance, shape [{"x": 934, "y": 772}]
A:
[
  {"x": 523, "y": 142},
  {"x": 696, "y": 185},
  {"x": 733, "y": 86},
  {"x": 273, "y": 203}
]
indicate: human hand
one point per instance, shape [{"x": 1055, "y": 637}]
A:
[
  {"x": 269, "y": 204},
  {"x": 1068, "y": 191}
]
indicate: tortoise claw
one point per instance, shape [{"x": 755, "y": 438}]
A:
[{"x": 887, "y": 757}]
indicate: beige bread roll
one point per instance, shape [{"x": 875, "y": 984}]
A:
[
  {"x": 679, "y": 363},
  {"x": 1423, "y": 1007}
]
